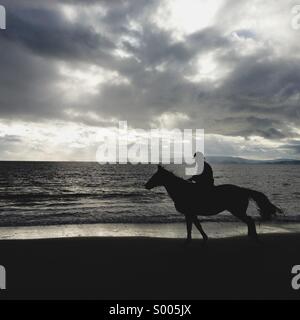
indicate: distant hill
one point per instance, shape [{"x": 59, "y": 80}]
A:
[{"x": 238, "y": 160}]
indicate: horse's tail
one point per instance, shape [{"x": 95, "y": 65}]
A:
[{"x": 265, "y": 208}]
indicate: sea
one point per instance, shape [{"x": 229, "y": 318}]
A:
[{"x": 78, "y": 193}]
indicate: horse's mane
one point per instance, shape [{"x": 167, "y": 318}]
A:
[{"x": 175, "y": 175}]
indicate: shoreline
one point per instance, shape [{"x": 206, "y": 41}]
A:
[{"x": 177, "y": 230}]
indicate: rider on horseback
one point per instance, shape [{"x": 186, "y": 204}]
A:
[
  {"x": 206, "y": 177},
  {"x": 189, "y": 201}
]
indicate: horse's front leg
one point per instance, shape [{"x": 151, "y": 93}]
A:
[
  {"x": 189, "y": 224},
  {"x": 199, "y": 227}
]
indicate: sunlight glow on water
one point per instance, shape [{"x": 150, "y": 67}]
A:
[{"x": 161, "y": 230}]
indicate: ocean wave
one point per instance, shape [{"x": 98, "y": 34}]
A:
[
  {"x": 34, "y": 197},
  {"x": 71, "y": 218}
]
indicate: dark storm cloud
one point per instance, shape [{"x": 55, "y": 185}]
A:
[
  {"x": 27, "y": 85},
  {"x": 35, "y": 39},
  {"x": 266, "y": 90},
  {"x": 46, "y": 33},
  {"x": 260, "y": 80},
  {"x": 258, "y": 96},
  {"x": 208, "y": 39},
  {"x": 249, "y": 126},
  {"x": 152, "y": 90}
]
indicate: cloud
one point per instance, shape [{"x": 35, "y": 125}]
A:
[
  {"x": 236, "y": 74},
  {"x": 293, "y": 145}
]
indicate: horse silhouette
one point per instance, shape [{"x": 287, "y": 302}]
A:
[{"x": 192, "y": 201}]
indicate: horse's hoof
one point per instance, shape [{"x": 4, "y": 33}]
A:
[
  {"x": 205, "y": 242},
  {"x": 187, "y": 242},
  {"x": 257, "y": 240}
]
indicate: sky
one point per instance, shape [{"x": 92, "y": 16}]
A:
[{"x": 71, "y": 70}]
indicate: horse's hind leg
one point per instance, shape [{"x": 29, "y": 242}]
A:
[
  {"x": 199, "y": 227},
  {"x": 251, "y": 226},
  {"x": 249, "y": 222},
  {"x": 189, "y": 225}
]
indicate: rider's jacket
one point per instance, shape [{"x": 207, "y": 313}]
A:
[{"x": 206, "y": 178}]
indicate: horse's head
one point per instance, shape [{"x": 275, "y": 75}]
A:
[{"x": 158, "y": 178}]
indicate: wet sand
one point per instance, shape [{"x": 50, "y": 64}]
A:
[
  {"x": 150, "y": 268},
  {"x": 152, "y": 230}
]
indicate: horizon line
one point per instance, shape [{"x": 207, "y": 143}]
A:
[{"x": 215, "y": 156}]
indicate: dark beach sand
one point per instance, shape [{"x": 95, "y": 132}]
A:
[{"x": 150, "y": 268}]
